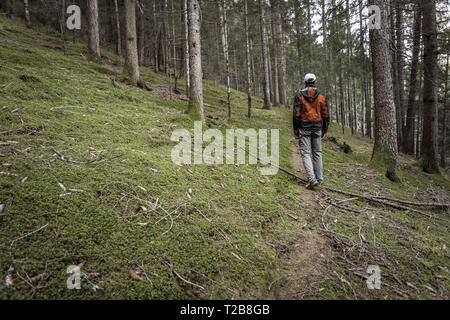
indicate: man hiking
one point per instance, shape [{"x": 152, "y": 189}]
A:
[{"x": 310, "y": 119}]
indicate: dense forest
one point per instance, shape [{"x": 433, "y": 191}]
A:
[
  {"x": 90, "y": 91},
  {"x": 266, "y": 47}
]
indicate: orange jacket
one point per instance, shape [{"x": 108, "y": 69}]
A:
[{"x": 310, "y": 110}]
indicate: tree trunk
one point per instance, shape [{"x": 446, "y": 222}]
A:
[
  {"x": 280, "y": 56},
  {"x": 266, "y": 81},
  {"x": 273, "y": 75},
  {"x": 349, "y": 75},
  {"x": 429, "y": 131},
  {"x": 399, "y": 61},
  {"x": 62, "y": 17},
  {"x": 224, "y": 37},
  {"x": 247, "y": 54},
  {"x": 271, "y": 86},
  {"x": 368, "y": 108},
  {"x": 324, "y": 44},
  {"x": 236, "y": 74},
  {"x": 385, "y": 150},
  {"x": 141, "y": 38},
  {"x": 355, "y": 109},
  {"x": 444, "y": 120},
  {"x": 298, "y": 39},
  {"x": 195, "y": 107},
  {"x": 118, "y": 37},
  {"x": 408, "y": 134},
  {"x": 27, "y": 13},
  {"x": 131, "y": 67},
  {"x": 186, "y": 48},
  {"x": 310, "y": 40},
  {"x": 174, "y": 48},
  {"x": 341, "y": 96},
  {"x": 93, "y": 31},
  {"x": 253, "y": 67},
  {"x": 393, "y": 56},
  {"x": 419, "y": 121}
]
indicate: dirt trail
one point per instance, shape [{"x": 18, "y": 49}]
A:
[{"x": 305, "y": 259}]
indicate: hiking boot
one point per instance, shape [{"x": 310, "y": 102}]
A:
[{"x": 312, "y": 184}]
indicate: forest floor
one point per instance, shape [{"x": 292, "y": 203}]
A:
[{"x": 87, "y": 179}]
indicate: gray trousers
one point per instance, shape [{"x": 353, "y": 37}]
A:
[{"x": 312, "y": 140}]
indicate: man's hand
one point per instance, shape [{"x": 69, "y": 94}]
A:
[
  {"x": 324, "y": 132},
  {"x": 296, "y": 133}
]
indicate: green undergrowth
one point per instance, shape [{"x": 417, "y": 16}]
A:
[
  {"x": 87, "y": 130},
  {"x": 411, "y": 248},
  {"x": 143, "y": 227}
]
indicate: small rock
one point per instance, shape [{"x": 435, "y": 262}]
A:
[{"x": 2, "y": 207}]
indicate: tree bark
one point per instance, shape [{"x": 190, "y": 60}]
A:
[
  {"x": 224, "y": 37},
  {"x": 253, "y": 67},
  {"x": 141, "y": 38},
  {"x": 385, "y": 150},
  {"x": 349, "y": 75},
  {"x": 195, "y": 107},
  {"x": 298, "y": 39},
  {"x": 174, "y": 48},
  {"x": 266, "y": 81},
  {"x": 273, "y": 75},
  {"x": 429, "y": 131},
  {"x": 131, "y": 67},
  {"x": 62, "y": 17},
  {"x": 341, "y": 96},
  {"x": 186, "y": 47},
  {"x": 93, "y": 30},
  {"x": 408, "y": 132},
  {"x": 247, "y": 54},
  {"x": 280, "y": 61},
  {"x": 118, "y": 37},
  {"x": 310, "y": 40},
  {"x": 324, "y": 44},
  {"x": 400, "y": 66},
  {"x": 393, "y": 56},
  {"x": 368, "y": 107},
  {"x": 27, "y": 13},
  {"x": 444, "y": 121}
]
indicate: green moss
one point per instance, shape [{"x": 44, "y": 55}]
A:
[{"x": 76, "y": 110}]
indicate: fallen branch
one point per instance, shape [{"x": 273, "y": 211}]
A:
[
  {"x": 351, "y": 194},
  {"x": 28, "y": 234},
  {"x": 379, "y": 201},
  {"x": 418, "y": 204},
  {"x": 180, "y": 277}
]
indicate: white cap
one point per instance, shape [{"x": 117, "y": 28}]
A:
[{"x": 310, "y": 78}]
